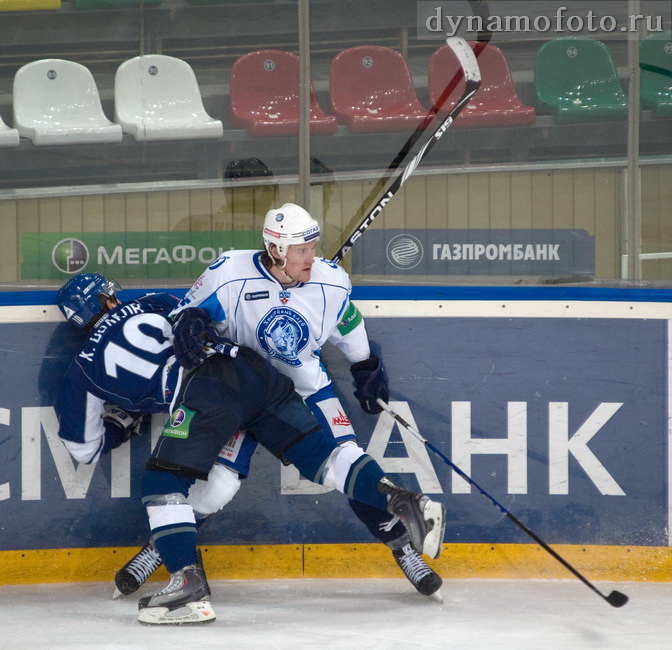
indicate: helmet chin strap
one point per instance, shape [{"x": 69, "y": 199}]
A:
[{"x": 280, "y": 264}]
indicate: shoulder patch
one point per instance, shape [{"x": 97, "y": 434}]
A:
[{"x": 351, "y": 318}]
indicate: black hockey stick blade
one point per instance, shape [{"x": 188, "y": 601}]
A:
[
  {"x": 615, "y": 598},
  {"x": 472, "y": 76}
]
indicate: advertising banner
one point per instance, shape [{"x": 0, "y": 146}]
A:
[
  {"x": 563, "y": 420},
  {"x": 121, "y": 255},
  {"x": 475, "y": 251}
]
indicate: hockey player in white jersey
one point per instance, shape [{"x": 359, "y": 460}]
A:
[
  {"x": 128, "y": 357},
  {"x": 286, "y": 303}
]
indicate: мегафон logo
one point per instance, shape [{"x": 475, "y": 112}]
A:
[{"x": 70, "y": 256}]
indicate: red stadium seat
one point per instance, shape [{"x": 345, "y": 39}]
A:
[
  {"x": 372, "y": 90},
  {"x": 264, "y": 93},
  {"x": 495, "y": 103}
]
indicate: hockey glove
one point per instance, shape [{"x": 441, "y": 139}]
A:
[
  {"x": 188, "y": 333},
  {"x": 371, "y": 383},
  {"x": 120, "y": 425},
  {"x": 220, "y": 344}
]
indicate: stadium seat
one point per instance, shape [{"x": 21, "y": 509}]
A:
[
  {"x": 224, "y": 2},
  {"x": 372, "y": 90},
  {"x": 113, "y": 4},
  {"x": 576, "y": 81},
  {"x": 57, "y": 102},
  {"x": 495, "y": 103},
  {"x": 264, "y": 92},
  {"x": 8, "y": 137},
  {"x": 30, "y": 5},
  {"x": 655, "y": 62},
  {"x": 157, "y": 97}
]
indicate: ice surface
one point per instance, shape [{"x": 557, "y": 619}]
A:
[{"x": 348, "y": 614}]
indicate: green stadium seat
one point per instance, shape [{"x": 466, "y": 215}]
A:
[
  {"x": 655, "y": 62},
  {"x": 576, "y": 81},
  {"x": 113, "y": 4},
  {"x": 29, "y": 5}
]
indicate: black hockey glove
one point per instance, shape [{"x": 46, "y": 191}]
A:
[
  {"x": 371, "y": 383},
  {"x": 188, "y": 333},
  {"x": 120, "y": 425}
]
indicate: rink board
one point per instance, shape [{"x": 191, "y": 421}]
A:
[{"x": 555, "y": 400}]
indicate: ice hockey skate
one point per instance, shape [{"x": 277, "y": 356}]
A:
[
  {"x": 186, "y": 600},
  {"x": 136, "y": 571},
  {"x": 424, "y": 519},
  {"x": 420, "y": 575}
]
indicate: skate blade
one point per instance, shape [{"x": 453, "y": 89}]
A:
[
  {"x": 432, "y": 545},
  {"x": 436, "y": 596},
  {"x": 117, "y": 594},
  {"x": 192, "y": 613}
]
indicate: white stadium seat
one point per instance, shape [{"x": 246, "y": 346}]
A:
[
  {"x": 8, "y": 137},
  {"x": 57, "y": 102},
  {"x": 157, "y": 97}
]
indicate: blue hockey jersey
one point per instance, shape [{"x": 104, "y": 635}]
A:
[{"x": 127, "y": 361}]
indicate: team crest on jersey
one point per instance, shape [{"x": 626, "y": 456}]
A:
[
  {"x": 284, "y": 297},
  {"x": 283, "y": 333}
]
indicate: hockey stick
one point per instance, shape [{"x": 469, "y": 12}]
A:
[
  {"x": 480, "y": 9},
  {"x": 472, "y": 75},
  {"x": 615, "y": 598}
]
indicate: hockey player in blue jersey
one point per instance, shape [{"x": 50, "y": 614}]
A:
[
  {"x": 125, "y": 368},
  {"x": 285, "y": 303},
  {"x": 128, "y": 359}
]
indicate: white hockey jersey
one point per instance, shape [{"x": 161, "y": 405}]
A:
[{"x": 287, "y": 325}]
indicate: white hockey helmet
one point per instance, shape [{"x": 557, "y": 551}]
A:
[{"x": 288, "y": 225}]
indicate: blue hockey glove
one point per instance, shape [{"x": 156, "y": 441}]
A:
[
  {"x": 371, "y": 383},
  {"x": 120, "y": 424},
  {"x": 220, "y": 344},
  {"x": 188, "y": 332}
]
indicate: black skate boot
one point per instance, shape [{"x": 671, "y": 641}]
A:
[
  {"x": 186, "y": 599},
  {"x": 424, "y": 519},
  {"x": 136, "y": 571},
  {"x": 421, "y": 576}
]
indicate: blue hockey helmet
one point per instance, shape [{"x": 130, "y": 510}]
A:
[{"x": 83, "y": 297}]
